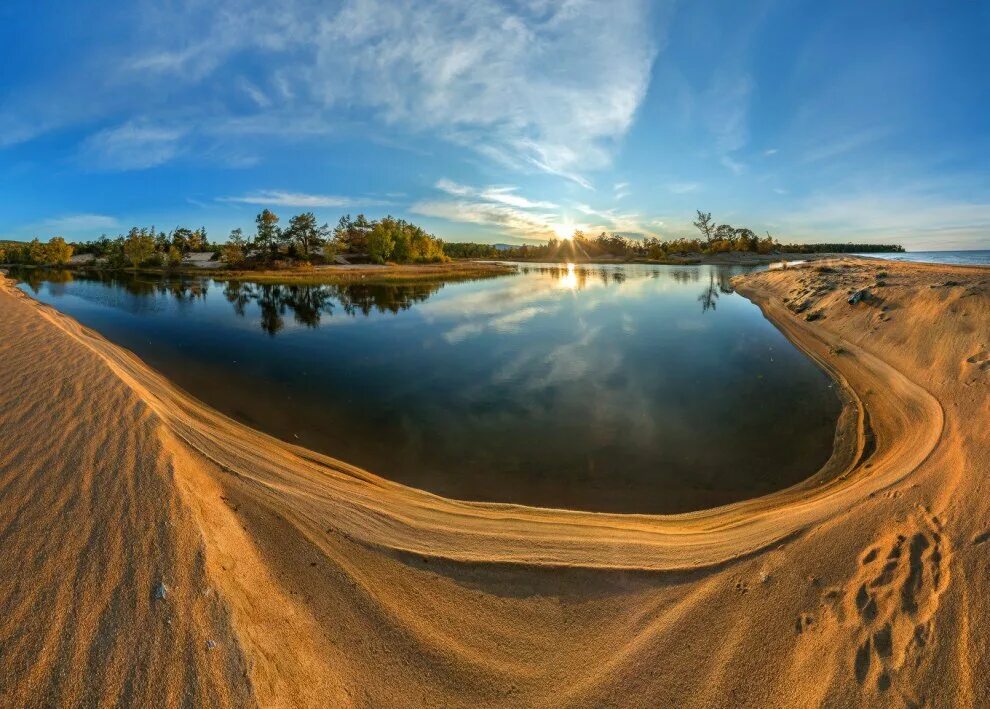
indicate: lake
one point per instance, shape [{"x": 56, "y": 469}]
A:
[
  {"x": 650, "y": 389},
  {"x": 965, "y": 258}
]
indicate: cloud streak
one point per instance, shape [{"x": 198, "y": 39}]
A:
[
  {"x": 81, "y": 222},
  {"x": 505, "y": 210},
  {"x": 132, "y": 146},
  {"x": 280, "y": 198}
]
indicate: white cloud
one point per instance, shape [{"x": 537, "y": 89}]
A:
[
  {"x": 734, "y": 166},
  {"x": 506, "y": 210},
  {"x": 81, "y": 222},
  {"x": 279, "y": 198},
  {"x": 502, "y": 216},
  {"x": 132, "y": 146},
  {"x": 552, "y": 86},
  {"x": 255, "y": 94},
  {"x": 843, "y": 144},
  {"x": 505, "y": 194},
  {"x": 549, "y": 86}
]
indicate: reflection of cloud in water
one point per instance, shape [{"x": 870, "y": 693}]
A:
[
  {"x": 462, "y": 332},
  {"x": 512, "y": 321}
]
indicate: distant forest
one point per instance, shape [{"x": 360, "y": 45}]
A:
[{"x": 713, "y": 239}]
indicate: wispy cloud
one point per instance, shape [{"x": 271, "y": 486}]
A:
[
  {"x": 540, "y": 86},
  {"x": 683, "y": 187},
  {"x": 81, "y": 222},
  {"x": 279, "y": 198},
  {"x": 515, "y": 221},
  {"x": 132, "y": 146},
  {"x": 839, "y": 145},
  {"x": 503, "y": 209},
  {"x": 505, "y": 194},
  {"x": 734, "y": 166}
]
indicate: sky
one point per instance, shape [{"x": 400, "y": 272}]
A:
[{"x": 499, "y": 121}]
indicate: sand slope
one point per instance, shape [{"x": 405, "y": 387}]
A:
[{"x": 295, "y": 579}]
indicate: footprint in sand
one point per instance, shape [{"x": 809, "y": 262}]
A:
[
  {"x": 981, "y": 360},
  {"x": 893, "y": 600}
]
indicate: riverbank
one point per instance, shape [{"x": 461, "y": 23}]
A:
[{"x": 292, "y": 578}]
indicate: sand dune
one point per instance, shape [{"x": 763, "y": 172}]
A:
[{"x": 295, "y": 579}]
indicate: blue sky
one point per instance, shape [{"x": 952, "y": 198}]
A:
[{"x": 499, "y": 121}]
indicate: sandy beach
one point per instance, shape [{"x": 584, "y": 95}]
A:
[{"x": 159, "y": 553}]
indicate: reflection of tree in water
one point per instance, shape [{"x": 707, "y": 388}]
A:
[
  {"x": 577, "y": 276},
  {"x": 141, "y": 284},
  {"x": 35, "y": 277},
  {"x": 718, "y": 282},
  {"x": 685, "y": 275},
  {"x": 308, "y": 304}
]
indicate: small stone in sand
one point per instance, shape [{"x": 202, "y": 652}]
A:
[
  {"x": 862, "y": 294},
  {"x": 160, "y": 591}
]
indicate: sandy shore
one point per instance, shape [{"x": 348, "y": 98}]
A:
[{"x": 294, "y": 579}]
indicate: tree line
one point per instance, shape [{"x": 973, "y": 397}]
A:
[
  {"x": 56, "y": 252},
  {"x": 713, "y": 238},
  {"x": 302, "y": 239}
]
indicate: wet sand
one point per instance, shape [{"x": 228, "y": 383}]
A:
[{"x": 294, "y": 579}]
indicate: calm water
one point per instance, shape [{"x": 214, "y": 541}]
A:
[
  {"x": 632, "y": 388},
  {"x": 969, "y": 258}
]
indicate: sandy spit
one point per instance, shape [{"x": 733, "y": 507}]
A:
[{"x": 293, "y": 579}]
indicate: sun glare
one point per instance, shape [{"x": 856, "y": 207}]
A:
[
  {"x": 569, "y": 280},
  {"x": 563, "y": 231}
]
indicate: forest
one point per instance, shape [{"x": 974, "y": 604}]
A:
[
  {"x": 712, "y": 239},
  {"x": 301, "y": 240}
]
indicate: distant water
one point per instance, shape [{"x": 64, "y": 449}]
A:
[
  {"x": 981, "y": 257},
  {"x": 633, "y": 389}
]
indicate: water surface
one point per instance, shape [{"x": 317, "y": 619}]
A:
[
  {"x": 965, "y": 258},
  {"x": 632, "y": 388}
]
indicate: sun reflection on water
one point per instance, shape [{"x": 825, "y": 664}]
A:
[{"x": 569, "y": 280}]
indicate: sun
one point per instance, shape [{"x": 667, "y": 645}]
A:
[{"x": 564, "y": 231}]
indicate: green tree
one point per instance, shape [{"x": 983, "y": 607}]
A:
[
  {"x": 268, "y": 233},
  {"x": 305, "y": 235},
  {"x": 381, "y": 242},
  {"x": 172, "y": 258},
  {"x": 36, "y": 251},
  {"x": 706, "y": 226},
  {"x": 139, "y": 246},
  {"x": 351, "y": 235},
  {"x": 197, "y": 240},
  {"x": 57, "y": 252},
  {"x": 232, "y": 253}
]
